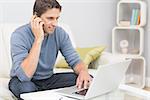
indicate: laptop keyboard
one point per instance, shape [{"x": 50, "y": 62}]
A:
[{"x": 82, "y": 92}]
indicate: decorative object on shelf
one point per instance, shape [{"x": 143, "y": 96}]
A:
[
  {"x": 125, "y": 23},
  {"x": 134, "y": 51},
  {"x": 124, "y": 46}
]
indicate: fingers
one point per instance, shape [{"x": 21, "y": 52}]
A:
[
  {"x": 83, "y": 83},
  {"x": 79, "y": 83},
  {"x": 32, "y": 21},
  {"x": 35, "y": 21},
  {"x": 37, "y": 27},
  {"x": 33, "y": 17}
]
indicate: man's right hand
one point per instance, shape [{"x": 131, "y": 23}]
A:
[{"x": 37, "y": 27}]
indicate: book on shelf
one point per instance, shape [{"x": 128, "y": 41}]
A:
[
  {"x": 138, "y": 20},
  {"x": 135, "y": 17},
  {"x": 132, "y": 17}
]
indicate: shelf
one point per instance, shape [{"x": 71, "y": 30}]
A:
[
  {"x": 126, "y": 15},
  {"x": 135, "y": 75},
  {"x": 133, "y": 36},
  {"x": 128, "y": 39}
]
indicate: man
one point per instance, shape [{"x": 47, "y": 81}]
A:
[{"x": 34, "y": 48}]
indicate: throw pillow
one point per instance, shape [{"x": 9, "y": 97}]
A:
[{"x": 87, "y": 55}]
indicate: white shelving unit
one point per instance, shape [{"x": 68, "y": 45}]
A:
[{"x": 128, "y": 39}]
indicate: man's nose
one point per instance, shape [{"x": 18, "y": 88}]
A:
[{"x": 54, "y": 22}]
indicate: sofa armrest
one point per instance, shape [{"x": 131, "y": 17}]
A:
[{"x": 105, "y": 58}]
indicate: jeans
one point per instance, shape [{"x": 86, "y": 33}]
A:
[{"x": 58, "y": 80}]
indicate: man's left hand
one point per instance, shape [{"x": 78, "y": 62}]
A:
[{"x": 83, "y": 80}]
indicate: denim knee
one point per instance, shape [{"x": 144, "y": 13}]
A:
[
  {"x": 60, "y": 80},
  {"x": 17, "y": 87}
]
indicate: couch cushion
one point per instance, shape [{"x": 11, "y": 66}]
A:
[
  {"x": 87, "y": 55},
  {"x": 5, "y": 58},
  {"x": 5, "y": 94}
]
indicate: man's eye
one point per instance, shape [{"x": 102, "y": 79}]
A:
[
  {"x": 50, "y": 18},
  {"x": 57, "y": 18}
]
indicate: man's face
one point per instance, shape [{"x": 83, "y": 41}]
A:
[{"x": 50, "y": 19}]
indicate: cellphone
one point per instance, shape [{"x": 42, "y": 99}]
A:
[{"x": 35, "y": 13}]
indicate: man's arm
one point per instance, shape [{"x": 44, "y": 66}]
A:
[
  {"x": 84, "y": 79},
  {"x": 29, "y": 64},
  {"x": 74, "y": 61}
]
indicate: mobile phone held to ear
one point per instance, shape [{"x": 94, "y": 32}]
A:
[{"x": 35, "y": 13}]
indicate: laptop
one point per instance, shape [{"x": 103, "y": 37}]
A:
[{"x": 106, "y": 79}]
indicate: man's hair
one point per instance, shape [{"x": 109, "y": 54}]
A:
[{"x": 41, "y": 6}]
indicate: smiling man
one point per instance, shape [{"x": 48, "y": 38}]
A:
[{"x": 34, "y": 49}]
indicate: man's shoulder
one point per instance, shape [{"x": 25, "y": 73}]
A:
[
  {"x": 23, "y": 28},
  {"x": 22, "y": 32},
  {"x": 58, "y": 28},
  {"x": 60, "y": 31}
]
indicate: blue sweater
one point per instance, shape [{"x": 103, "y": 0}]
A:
[{"x": 21, "y": 43}]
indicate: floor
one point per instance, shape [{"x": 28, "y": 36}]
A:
[
  {"x": 138, "y": 93},
  {"x": 129, "y": 97},
  {"x": 147, "y": 88}
]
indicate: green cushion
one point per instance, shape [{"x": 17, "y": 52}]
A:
[{"x": 87, "y": 55}]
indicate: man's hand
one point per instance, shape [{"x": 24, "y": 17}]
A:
[
  {"x": 37, "y": 27},
  {"x": 84, "y": 79}
]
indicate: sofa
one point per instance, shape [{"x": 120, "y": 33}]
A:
[{"x": 5, "y": 59}]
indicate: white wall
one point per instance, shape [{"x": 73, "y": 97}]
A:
[
  {"x": 91, "y": 21},
  {"x": 15, "y": 11}
]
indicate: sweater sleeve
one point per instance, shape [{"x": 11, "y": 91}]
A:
[
  {"x": 19, "y": 52},
  {"x": 67, "y": 49}
]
